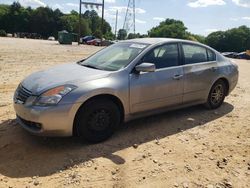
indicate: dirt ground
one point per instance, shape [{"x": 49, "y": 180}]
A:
[{"x": 192, "y": 147}]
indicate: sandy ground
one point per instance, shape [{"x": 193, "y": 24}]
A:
[{"x": 192, "y": 147}]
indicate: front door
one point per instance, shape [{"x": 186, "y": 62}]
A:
[{"x": 162, "y": 88}]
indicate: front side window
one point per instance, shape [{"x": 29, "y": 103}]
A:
[
  {"x": 115, "y": 57},
  {"x": 163, "y": 56},
  {"x": 194, "y": 54}
]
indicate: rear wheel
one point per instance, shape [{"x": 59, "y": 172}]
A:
[
  {"x": 97, "y": 120},
  {"x": 217, "y": 95}
]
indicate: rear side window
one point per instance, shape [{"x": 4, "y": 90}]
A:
[
  {"x": 194, "y": 54},
  {"x": 211, "y": 55},
  {"x": 163, "y": 56}
]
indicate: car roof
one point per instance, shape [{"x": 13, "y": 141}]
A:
[
  {"x": 152, "y": 41},
  {"x": 155, "y": 41}
]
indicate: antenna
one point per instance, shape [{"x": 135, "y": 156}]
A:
[{"x": 129, "y": 22}]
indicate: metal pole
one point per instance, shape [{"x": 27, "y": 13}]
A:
[
  {"x": 116, "y": 20},
  {"x": 80, "y": 18},
  {"x": 134, "y": 14},
  {"x": 102, "y": 19}
]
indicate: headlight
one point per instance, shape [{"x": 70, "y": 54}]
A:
[{"x": 54, "y": 96}]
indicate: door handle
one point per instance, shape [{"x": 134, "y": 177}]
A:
[{"x": 178, "y": 77}]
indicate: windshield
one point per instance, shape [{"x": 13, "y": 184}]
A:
[{"x": 115, "y": 57}]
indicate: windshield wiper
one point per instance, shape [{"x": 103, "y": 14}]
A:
[{"x": 90, "y": 66}]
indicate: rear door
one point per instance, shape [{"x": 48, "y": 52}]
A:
[
  {"x": 162, "y": 88},
  {"x": 200, "y": 70}
]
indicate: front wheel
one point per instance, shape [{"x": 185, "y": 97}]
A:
[
  {"x": 97, "y": 120},
  {"x": 217, "y": 95}
]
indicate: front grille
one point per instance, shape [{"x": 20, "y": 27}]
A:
[
  {"x": 32, "y": 125},
  {"x": 22, "y": 94}
]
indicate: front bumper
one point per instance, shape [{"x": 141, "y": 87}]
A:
[{"x": 46, "y": 121}]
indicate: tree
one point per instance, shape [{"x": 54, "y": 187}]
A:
[
  {"x": 44, "y": 22},
  {"x": 236, "y": 39},
  {"x": 133, "y": 36},
  {"x": 47, "y": 22},
  {"x": 13, "y": 19},
  {"x": 109, "y": 36},
  {"x": 169, "y": 28},
  {"x": 95, "y": 23},
  {"x": 122, "y": 34},
  {"x": 2, "y": 33},
  {"x": 71, "y": 23},
  {"x": 217, "y": 40},
  {"x": 98, "y": 34},
  {"x": 137, "y": 35},
  {"x": 197, "y": 38}
]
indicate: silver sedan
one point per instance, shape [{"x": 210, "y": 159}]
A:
[{"x": 127, "y": 80}]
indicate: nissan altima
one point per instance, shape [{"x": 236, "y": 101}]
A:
[{"x": 127, "y": 80}]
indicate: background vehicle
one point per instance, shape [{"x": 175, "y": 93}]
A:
[
  {"x": 107, "y": 43},
  {"x": 230, "y": 54},
  {"x": 243, "y": 55},
  {"x": 125, "y": 81},
  {"x": 51, "y": 38},
  {"x": 95, "y": 42},
  {"x": 85, "y": 39}
]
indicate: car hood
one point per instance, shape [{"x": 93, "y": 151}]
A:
[{"x": 59, "y": 75}]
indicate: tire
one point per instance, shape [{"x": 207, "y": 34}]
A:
[
  {"x": 216, "y": 95},
  {"x": 97, "y": 119}
]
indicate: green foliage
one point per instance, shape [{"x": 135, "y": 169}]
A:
[
  {"x": 122, "y": 34},
  {"x": 70, "y": 23},
  {"x": 47, "y": 22},
  {"x": 169, "y": 28},
  {"x": 3, "y": 33},
  {"x": 4, "y": 9},
  {"x": 217, "y": 40},
  {"x": 95, "y": 24},
  {"x": 133, "y": 36},
  {"x": 98, "y": 34},
  {"x": 143, "y": 36},
  {"x": 137, "y": 35},
  {"x": 196, "y": 38},
  {"x": 236, "y": 39},
  {"x": 109, "y": 36}
]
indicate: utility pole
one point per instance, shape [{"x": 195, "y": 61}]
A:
[
  {"x": 91, "y": 4},
  {"x": 102, "y": 20},
  {"x": 134, "y": 14},
  {"x": 116, "y": 20},
  {"x": 80, "y": 21}
]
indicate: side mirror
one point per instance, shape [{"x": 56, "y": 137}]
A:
[{"x": 145, "y": 67}]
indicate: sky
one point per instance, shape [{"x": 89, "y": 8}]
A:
[{"x": 199, "y": 16}]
